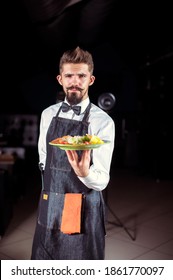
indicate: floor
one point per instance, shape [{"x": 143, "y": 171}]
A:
[{"x": 139, "y": 219}]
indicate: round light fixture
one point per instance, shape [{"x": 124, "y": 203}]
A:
[{"x": 106, "y": 101}]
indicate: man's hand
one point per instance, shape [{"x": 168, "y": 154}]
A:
[{"x": 80, "y": 167}]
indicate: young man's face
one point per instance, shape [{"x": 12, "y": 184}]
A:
[{"x": 75, "y": 80}]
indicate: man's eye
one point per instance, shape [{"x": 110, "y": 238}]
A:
[{"x": 82, "y": 76}]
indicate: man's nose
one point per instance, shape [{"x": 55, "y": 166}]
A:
[{"x": 75, "y": 80}]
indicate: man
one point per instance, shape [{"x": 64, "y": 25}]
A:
[{"x": 73, "y": 174}]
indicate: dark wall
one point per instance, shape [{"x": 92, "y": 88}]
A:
[{"x": 132, "y": 48}]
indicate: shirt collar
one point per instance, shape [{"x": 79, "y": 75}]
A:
[{"x": 83, "y": 104}]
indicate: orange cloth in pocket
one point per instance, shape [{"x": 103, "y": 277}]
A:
[{"x": 71, "y": 215}]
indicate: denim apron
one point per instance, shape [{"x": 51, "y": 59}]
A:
[{"x": 59, "y": 178}]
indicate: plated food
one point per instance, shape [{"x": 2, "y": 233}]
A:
[{"x": 84, "y": 142}]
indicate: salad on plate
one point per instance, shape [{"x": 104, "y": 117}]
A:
[{"x": 78, "y": 142}]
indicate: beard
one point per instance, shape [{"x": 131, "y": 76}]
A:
[{"x": 74, "y": 97}]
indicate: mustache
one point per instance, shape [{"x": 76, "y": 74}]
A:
[{"x": 74, "y": 88}]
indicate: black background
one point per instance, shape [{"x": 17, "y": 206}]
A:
[{"x": 133, "y": 54}]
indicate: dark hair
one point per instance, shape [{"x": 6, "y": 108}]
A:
[{"x": 76, "y": 56}]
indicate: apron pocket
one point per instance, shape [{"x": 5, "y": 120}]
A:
[
  {"x": 50, "y": 209},
  {"x": 95, "y": 212}
]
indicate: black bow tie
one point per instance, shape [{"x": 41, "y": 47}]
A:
[{"x": 65, "y": 108}]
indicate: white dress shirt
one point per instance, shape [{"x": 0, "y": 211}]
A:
[{"x": 100, "y": 124}]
